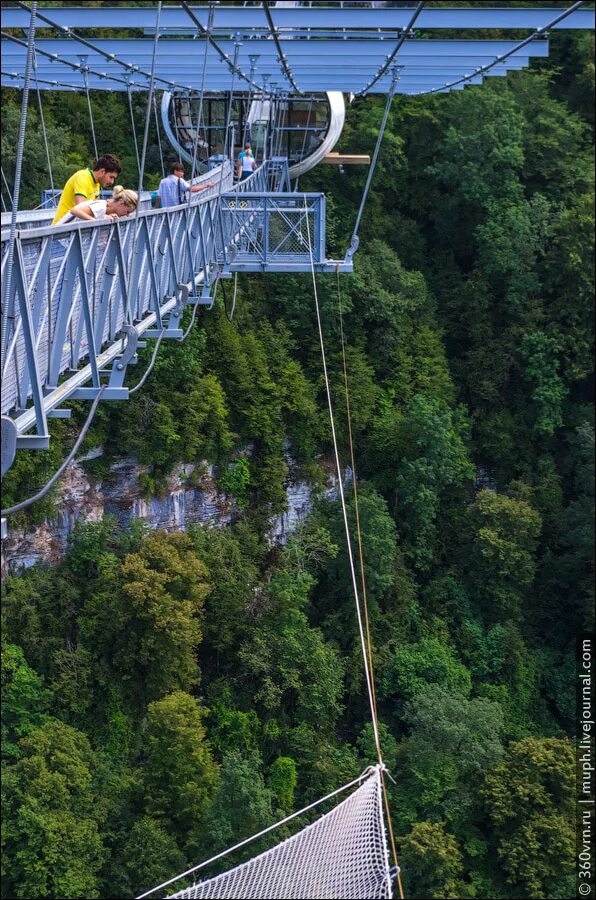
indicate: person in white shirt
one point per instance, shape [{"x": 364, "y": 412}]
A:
[
  {"x": 173, "y": 190},
  {"x": 122, "y": 203},
  {"x": 246, "y": 163}
]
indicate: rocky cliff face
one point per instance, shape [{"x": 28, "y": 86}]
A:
[{"x": 120, "y": 494}]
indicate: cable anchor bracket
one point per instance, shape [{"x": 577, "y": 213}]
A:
[{"x": 115, "y": 389}]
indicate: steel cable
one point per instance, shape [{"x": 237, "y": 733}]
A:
[
  {"x": 86, "y": 79},
  {"x": 141, "y": 162},
  {"x": 278, "y": 47},
  {"x": 40, "y": 494},
  {"x": 406, "y": 33},
  {"x": 43, "y": 131},
  {"x": 17, "y": 176},
  {"x": 513, "y": 50},
  {"x": 361, "y": 561},
  {"x": 110, "y": 57},
  {"x": 371, "y": 172}
]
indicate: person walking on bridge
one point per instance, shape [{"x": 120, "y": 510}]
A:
[
  {"x": 246, "y": 163},
  {"x": 173, "y": 189},
  {"x": 87, "y": 183}
]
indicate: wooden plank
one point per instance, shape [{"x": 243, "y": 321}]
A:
[{"x": 346, "y": 159}]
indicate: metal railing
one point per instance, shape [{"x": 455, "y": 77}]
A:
[
  {"x": 79, "y": 292},
  {"x": 272, "y": 232},
  {"x": 82, "y": 295},
  {"x": 43, "y": 215}
]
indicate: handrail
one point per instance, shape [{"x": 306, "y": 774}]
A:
[
  {"x": 84, "y": 293},
  {"x": 72, "y": 290},
  {"x": 33, "y": 214}
]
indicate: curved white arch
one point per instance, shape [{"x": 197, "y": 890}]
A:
[
  {"x": 337, "y": 115},
  {"x": 183, "y": 154}
]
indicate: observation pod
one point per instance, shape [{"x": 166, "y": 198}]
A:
[{"x": 302, "y": 129}]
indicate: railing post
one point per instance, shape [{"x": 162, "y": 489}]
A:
[
  {"x": 203, "y": 246},
  {"x": 265, "y": 230},
  {"x": 218, "y": 213},
  {"x": 19, "y": 285},
  {"x": 321, "y": 227}
]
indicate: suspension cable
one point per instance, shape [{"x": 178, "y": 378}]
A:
[
  {"x": 237, "y": 46},
  {"x": 86, "y": 79},
  {"x": 283, "y": 95},
  {"x": 263, "y": 100},
  {"x": 6, "y": 186},
  {"x": 273, "y": 118},
  {"x": 355, "y": 240},
  {"x": 206, "y": 33},
  {"x": 226, "y": 137},
  {"x": 278, "y": 47},
  {"x": 230, "y": 315},
  {"x": 40, "y": 494},
  {"x": 354, "y": 480},
  {"x": 134, "y": 132},
  {"x": 369, "y": 683},
  {"x": 361, "y": 561},
  {"x": 279, "y": 118},
  {"x": 176, "y": 104},
  {"x": 141, "y": 162},
  {"x": 504, "y": 56},
  {"x": 157, "y": 129},
  {"x": 308, "y": 115},
  {"x": 110, "y": 57},
  {"x": 67, "y": 62},
  {"x": 149, "y": 368},
  {"x": 17, "y": 175},
  {"x": 406, "y": 33},
  {"x": 366, "y": 656},
  {"x": 192, "y": 319},
  {"x": 43, "y": 129},
  {"x": 149, "y": 102},
  {"x": 253, "y": 65},
  {"x": 284, "y": 108},
  {"x": 231, "y": 153}
]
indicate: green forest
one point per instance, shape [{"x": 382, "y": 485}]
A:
[{"x": 165, "y": 695}]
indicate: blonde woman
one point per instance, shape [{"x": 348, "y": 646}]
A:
[{"x": 122, "y": 203}]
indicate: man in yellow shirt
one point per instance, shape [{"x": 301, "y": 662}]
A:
[{"x": 87, "y": 183}]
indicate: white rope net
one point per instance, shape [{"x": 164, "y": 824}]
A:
[{"x": 342, "y": 855}]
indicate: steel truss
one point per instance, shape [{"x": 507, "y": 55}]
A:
[{"x": 80, "y": 300}]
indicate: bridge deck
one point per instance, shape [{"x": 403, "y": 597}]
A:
[{"x": 79, "y": 294}]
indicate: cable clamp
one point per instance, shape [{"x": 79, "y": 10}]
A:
[
  {"x": 115, "y": 388},
  {"x": 388, "y": 774},
  {"x": 366, "y": 773},
  {"x": 183, "y": 295},
  {"x": 352, "y": 248}
]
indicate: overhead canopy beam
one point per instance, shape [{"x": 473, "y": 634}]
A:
[
  {"x": 417, "y": 73},
  {"x": 235, "y": 19},
  {"x": 321, "y": 65},
  {"x": 342, "y": 61},
  {"x": 13, "y": 79},
  {"x": 138, "y": 50}
]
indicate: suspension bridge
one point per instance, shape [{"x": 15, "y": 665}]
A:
[{"x": 79, "y": 300}]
